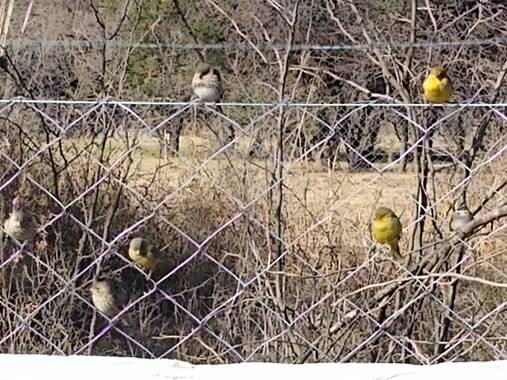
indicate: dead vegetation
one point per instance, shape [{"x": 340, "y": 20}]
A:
[{"x": 268, "y": 252}]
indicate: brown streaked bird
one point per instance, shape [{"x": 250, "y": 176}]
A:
[
  {"x": 207, "y": 83},
  {"x": 386, "y": 228},
  {"x": 144, "y": 254},
  {"x": 208, "y": 87},
  {"x": 460, "y": 218},
  {"x": 105, "y": 297},
  {"x": 20, "y": 225}
]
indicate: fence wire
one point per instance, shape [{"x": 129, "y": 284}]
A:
[{"x": 254, "y": 247}]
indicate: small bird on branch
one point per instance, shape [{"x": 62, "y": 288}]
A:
[
  {"x": 460, "y": 218},
  {"x": 108, "y": 298},
  {"x": 386, "y": 229},
  {"x": 144, "y": 254},
  {"x": 20, "y": 225}
]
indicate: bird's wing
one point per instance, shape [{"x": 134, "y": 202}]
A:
[
  {"x": 155, "y": 253},
  {"x": 150, "y": 252},
  {"x": 120, "y": 296}
]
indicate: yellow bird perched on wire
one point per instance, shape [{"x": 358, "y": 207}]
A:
[
  {"x": 437, "y": 86},
  {"x": 144, "y": 254},
  {"x": 386, "y": 229}
]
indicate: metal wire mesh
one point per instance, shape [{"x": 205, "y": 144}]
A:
[{"x": 264, "y": 238}]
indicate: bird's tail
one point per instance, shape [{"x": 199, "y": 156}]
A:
[{"x": 395, "y": 249}]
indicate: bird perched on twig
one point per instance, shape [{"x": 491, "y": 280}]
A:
[
  {"x": 460, "y": 218},
  {"x": 105, "y": 297},
  {"x": 386, "y": 229},
  {"x": 144, "y": 254},
  {"x": 20, "y": 225},
  {"x": 437, "y": 86},
  {"x": 207, "y": 83}
]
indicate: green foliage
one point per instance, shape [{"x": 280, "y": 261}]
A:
[{"x": 158, "y": 22}]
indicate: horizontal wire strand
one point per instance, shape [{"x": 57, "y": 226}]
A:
[
  {"x": 110, "y": 101},
  {"x": 118, "y": 44}
]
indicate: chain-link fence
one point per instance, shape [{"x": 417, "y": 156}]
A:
[{"x": 257, "y": 247}]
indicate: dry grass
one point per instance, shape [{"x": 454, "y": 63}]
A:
[{"x": 327, "y": 259}]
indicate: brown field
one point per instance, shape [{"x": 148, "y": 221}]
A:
[{"x": 225, "y": 204}]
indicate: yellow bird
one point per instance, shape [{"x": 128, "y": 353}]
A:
[
  {"x": 144, "y": 254},
  {"x": 386, "y": 229},
  {"x": 437, "y": 86}
]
